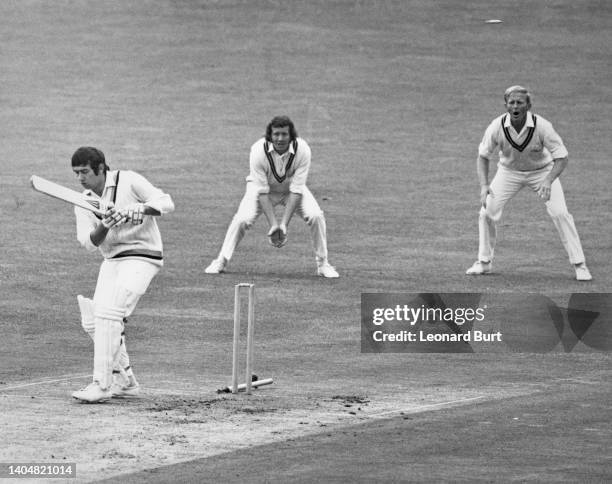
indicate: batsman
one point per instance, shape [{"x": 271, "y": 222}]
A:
[{"x": 129, "y": 239}]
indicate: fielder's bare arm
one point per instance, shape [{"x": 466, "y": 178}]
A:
[
  {"x": 531, "y": 154},
  {"x": 279, "y": 164},
  {"x": 128, "y": 238}
]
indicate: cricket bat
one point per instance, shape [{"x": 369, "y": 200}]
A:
[{"x": 66, "y": 194}]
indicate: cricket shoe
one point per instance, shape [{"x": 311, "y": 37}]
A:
[
  {"x": 479, "y": 268},
  {"x": 217, "y": 266},
  {"x": 123, "y": 385},
  {"x": 325, "y": 269},
  {"x": 93, "y": 393},
  {"x": 583, "y": 273},
  {"x": 132, "y": 389}
]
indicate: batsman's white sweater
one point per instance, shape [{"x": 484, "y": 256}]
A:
[{"x": 127, "y": 241}]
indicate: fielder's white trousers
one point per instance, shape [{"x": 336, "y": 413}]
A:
[
  {"x": 250, "y": 209},
  {"x": 121, "y": 283},
  {"x": 505, "y": 185}
]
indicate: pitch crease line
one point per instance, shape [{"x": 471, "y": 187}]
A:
[
  {"x": 42, "y": 382},
  {"x": 430, "y": 406},
  {"x": 35, "y": 398}
]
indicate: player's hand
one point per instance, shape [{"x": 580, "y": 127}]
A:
[
  {"x": 277, "y": 235},
  {"x": 543, "y": 190},
  {"x": 282, "y": 228},
  {"x": 112, "y": 217},
  {"x": 134, "y": 213},
  {"x": 485, "y": 190}
]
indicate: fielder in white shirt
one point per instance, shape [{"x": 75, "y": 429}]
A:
[
  {"x": 531, "y": 154},
  {"x": 279, "y": 165},
  {"x": 129, "y": 239}
]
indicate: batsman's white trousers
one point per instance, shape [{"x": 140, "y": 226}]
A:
[
  {"x": 121, "y": 283},
  {"x": 250, "y": 209},
  {"x": 505, "y": 185}
]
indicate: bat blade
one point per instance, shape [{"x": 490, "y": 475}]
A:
[{"x": 68, "y": 195}]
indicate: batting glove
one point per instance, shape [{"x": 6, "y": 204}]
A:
[
  {"x": 112, "y": 218},
  {"x": 135, "y": 213}
]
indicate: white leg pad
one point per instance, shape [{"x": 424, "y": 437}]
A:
[
  {"x": 123, "y": 359},
  {"x": 88, "y": 321},
  {"x": 86, "y": 307},
  {"x": 107, "y": 342}
]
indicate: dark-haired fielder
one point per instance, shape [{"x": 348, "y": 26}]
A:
[
  {"x": 130, "y": 242},
  {"x": 531, "y": 154},
  {"x": 279, "y": 164}
]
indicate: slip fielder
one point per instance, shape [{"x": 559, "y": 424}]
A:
[
  {"x": 531, "y": 154},
  {"x": 279, "y": 164}
]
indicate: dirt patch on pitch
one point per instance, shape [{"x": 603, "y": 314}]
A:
[{"x": 157, "y": 429}]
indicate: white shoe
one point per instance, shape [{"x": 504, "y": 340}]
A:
[
  {"x": 131, "y": 389},
  {"x": 327, "y": 270},
  {"x": 583, "y": 273},
  {"x": 93, "y": 393},
  {"x": 479, "y": 268},
  {"x": 124, "y": 385},
  {"x": 216, "y": 266}
]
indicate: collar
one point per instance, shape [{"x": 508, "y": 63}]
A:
[
  {"x": 528, "y": 121},
  {"x": 271, "y": 149},
  {"x": 111, "y": 179},
  {"x": 109, "y": 182}
]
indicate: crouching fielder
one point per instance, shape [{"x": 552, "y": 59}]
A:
[
  {"x": 279, "y": 165},
  {"x": 129, "y": 239},
  {"x": 531, "y": 154}
]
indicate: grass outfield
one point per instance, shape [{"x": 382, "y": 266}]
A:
[{"x": 393, "y": 98}]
